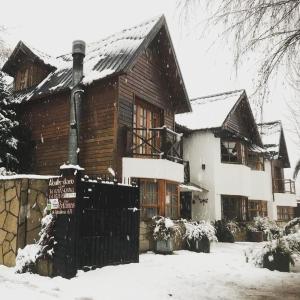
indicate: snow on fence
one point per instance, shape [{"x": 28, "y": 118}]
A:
[{"x": 22, "y": 203}]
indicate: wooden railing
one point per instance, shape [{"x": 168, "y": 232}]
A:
[
  {"x": 159, "y": 142},
  {"x": 284, "y": 186}
]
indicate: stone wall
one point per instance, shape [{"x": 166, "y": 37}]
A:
[{"x": 22, "y": 204}]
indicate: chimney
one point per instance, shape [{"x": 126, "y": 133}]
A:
[{"x": 78, "y": 53}]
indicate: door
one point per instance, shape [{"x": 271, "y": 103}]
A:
[{"x": 186, "y": 205}]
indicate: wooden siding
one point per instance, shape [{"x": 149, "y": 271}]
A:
[
  {"x": 48, "y": 121},
  {"x": 240, "y": 121},
  {"x": 34, "y": 73},
  {"x": 147, "y": 82}
]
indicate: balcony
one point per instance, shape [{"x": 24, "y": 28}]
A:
[
  {"x": 159, "y": 142},
  {"x": 284, "y": 186},
  {"x": 154, "y": 153}
]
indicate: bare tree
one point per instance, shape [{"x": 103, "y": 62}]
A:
[
  {"x": 4, "y": 49},
  {"x": 270, "y": 26}
]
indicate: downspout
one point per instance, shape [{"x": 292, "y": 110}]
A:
[{"x": 78, "y": 53}]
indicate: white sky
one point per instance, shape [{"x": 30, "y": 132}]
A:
[{"x": 51, "y": 26}]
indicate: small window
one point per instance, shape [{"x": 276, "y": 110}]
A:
[
  {"x": 234, "y": 208},
  {"x": 23, "y": 79},
  {"x": 285, "y": 213},
  {"x": 229, "y": 151},
  {"x": 257, "y": 208},
  {"x": 172, "y": 199},
  {"x": 149, "y": 198},
  {"x": 233, "y": 152},
  {"x": 255, "y": 161}
]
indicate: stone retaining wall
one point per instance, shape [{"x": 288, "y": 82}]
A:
[{"x": 22, "y": 204}]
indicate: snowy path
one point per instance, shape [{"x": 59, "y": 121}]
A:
[{"x": 222, "y": 274}]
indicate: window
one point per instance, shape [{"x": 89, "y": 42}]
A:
[
  {"x": 149, "y": 198},
  {"x": 255, "y": 161},
  {"x": 145, "y": 116},
  {"x": 234, "y": 207},
  {"x": 233, "y": 152},
  {"x": 285, "y": 213},
  {"x": 257, "y": 208},
  {"x": 171, "y": 204},
  {"x": 23, "y": 79}
]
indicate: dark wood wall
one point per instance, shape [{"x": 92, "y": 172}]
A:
[
  {"x": 48, "y": 120},
  {"x": 241, "y": 122},
  {"x": 146, "y": 81},
  {"x": 34, "y": 73}
]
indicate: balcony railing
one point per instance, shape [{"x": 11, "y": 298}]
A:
[
  {"x": 284, "y": 186},
  {"x": 159, "y": 142}
]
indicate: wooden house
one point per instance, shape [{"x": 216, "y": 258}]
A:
[{"x": 132, "y": 88}]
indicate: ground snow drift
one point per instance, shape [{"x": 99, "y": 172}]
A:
[{"x": 222, "y": 274}]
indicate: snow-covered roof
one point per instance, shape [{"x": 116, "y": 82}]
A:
[
  {"x": 112, "y": 55},
  {"x": 210, "y": 111},
  {"x": 270, "y": 134}
]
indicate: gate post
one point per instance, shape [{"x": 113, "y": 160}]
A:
[{"x": 63, "y": 195}]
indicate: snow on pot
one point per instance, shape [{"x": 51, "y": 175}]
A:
[
  {"x": 199, "y": 235},
  {"x": 164, "y": 233}
]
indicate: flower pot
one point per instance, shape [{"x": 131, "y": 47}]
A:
[
  {"x": 202, "y": 245},
  {"x": 256, "y": 236},
  {"x": 280, "y": 262},
  {"x": 164, "y": 246}
]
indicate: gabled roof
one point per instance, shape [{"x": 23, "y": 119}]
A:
[
  {"x": 30, "y": 52},
  {"x": 210, "y": 111},
  {"x": 108, "y": 57},
  {"x": 222, "y": 111},
  {"x": 274, "y": 141}
]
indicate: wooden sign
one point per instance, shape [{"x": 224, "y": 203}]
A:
[{"x": 62, "y": 195}]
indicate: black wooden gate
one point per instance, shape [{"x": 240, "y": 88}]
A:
[
  {"x": 107, "y": 224},
  {"x": 103, "y": 230}
]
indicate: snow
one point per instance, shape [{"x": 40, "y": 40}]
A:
[
  {"x": 70, "y": 166},
  {"x": 221, "y": 274},
  {"x": 26, "y": 176},
  {"x": 209, "y": 112},
  {"x": 270, "y": 134},
  {"x": 103, "y": 58},
  {"x": 96, "y": 75}
]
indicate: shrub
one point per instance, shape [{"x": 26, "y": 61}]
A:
[
  {"x": 200, "y": 230},
  {"x": 265, "y": 225},
  {"x": 164, "y": 228},
  {"x": 225, "y": 230}
]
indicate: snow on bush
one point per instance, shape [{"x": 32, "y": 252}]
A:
[
  {"x": 266, "y": 225},
  {"x": 199, "y": 230},
  {"x": 164, "y": 228},
  {"x": 27, "y": 257},
  {"x": 292, "y": 226},
  {"x": 287, "y": 245}
]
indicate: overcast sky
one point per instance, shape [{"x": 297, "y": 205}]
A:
[{"x": 51, "y": 26}]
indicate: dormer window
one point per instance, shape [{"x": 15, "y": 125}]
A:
[{"x": 232, "y": 152}]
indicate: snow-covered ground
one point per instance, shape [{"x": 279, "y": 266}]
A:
[{"x": 222, "y": 274}]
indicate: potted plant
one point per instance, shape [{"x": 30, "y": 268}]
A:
[
  {"x": 164, "y": 233},
  {"x": 262, "y": 229},
  {"x": 199, "y": 235},
  {"x": 226, "y": 230},
  {"x": 276, "y": 254},
  {"x": 254, "y": 235}
]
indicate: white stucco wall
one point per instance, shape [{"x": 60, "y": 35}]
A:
[
  {"x": 226, "y": 179},
  {"x": 201, "y": 148},
  {"x": 152, "y": 168}
]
